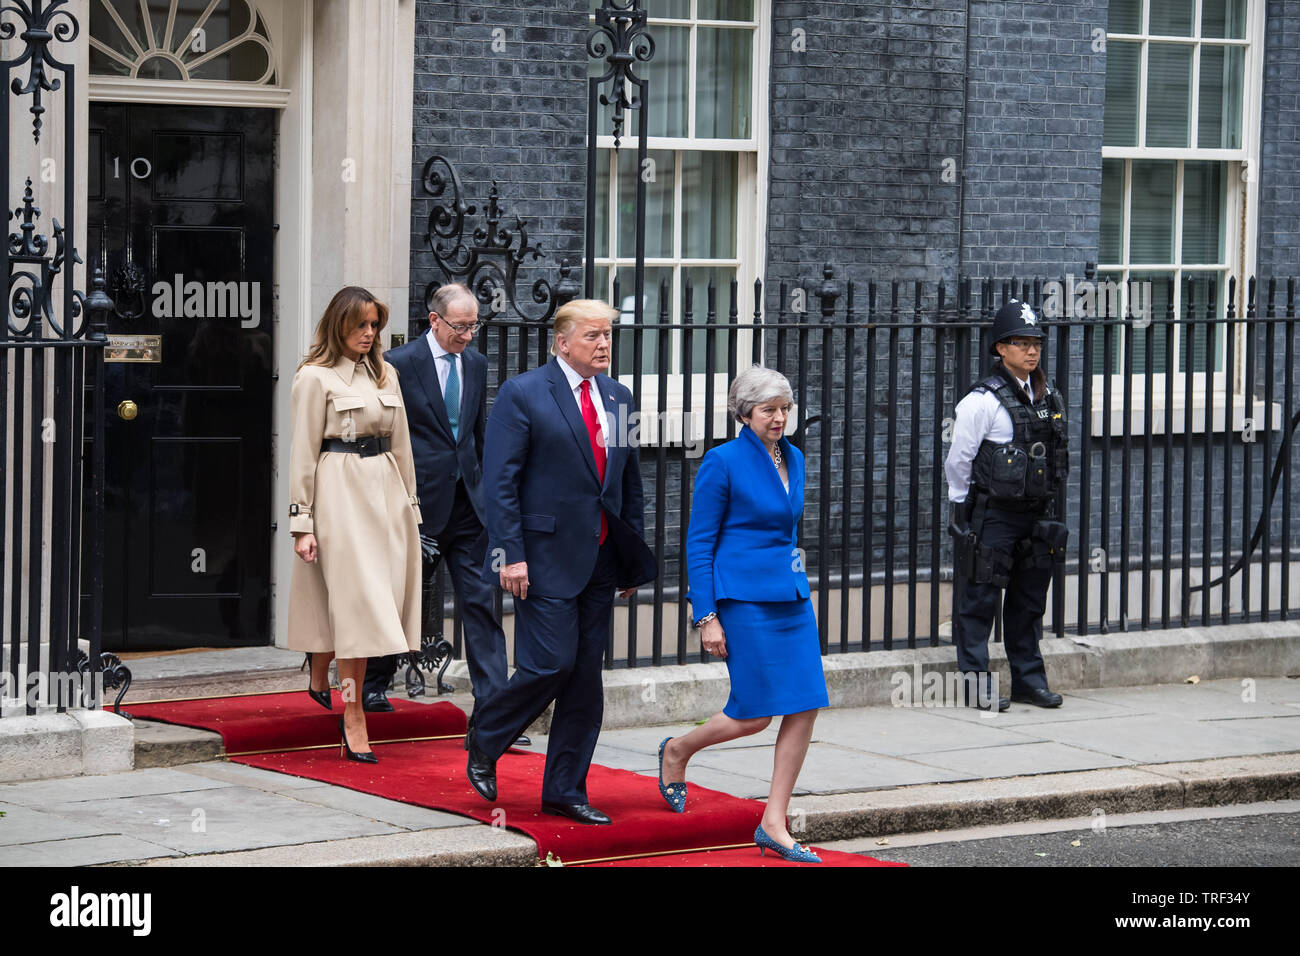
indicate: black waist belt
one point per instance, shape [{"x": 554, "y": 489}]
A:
[{"x": 366, "y": 447}]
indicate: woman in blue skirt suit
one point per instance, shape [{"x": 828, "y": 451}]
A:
[{"x": 749, "y": 596}]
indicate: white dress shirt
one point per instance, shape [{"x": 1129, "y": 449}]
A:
[
  {"x": 443, "y": 370},
  {"x": 598, "y": 400},
  {"x": 980, "y": 416}
]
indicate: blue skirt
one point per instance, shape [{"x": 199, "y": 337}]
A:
[{"x": 773, "y": 658}]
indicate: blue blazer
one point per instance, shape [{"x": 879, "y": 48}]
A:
[
  {"x": 542, "y": 492},
  {"x": 742, "y": 542},
  {"x": 439, "y": 456}
]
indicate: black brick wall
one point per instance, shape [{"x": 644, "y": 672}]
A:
[
  {"x": 516, "y": 116},
  {"x": 861, "y": 123},
  {"x": 1033, "y": 147},
  {"x": 1279, "y": 180}
]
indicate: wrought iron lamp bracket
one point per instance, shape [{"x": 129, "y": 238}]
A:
[{"x": 488, "y": 262}]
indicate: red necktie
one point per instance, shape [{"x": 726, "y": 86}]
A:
[{"x": 597, "y": 448}]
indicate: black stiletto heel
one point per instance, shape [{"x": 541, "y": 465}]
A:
[
  {"x": 346, "y": 749},
  {"x": 321, "y": 697}
]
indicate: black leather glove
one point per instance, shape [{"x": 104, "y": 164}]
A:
[{"x": 429, "y": 549}]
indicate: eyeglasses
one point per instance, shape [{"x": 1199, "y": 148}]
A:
[
  {"x": 1026, "y": 344},
  {"x": 460, "y": 329}
]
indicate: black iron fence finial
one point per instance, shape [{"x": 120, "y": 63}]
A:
[{"x": 41, "y": 24}]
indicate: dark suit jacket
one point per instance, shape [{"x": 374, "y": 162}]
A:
[
  {"x": 542, "y": 492},
  {"x": 438, "y": 457}
]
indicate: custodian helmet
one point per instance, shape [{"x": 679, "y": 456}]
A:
[{"x": 1014, "y": 319}]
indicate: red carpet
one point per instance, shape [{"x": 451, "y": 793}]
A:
[
  {"x": 258, "y": 723},
  {"x": 431, "y": 773}
]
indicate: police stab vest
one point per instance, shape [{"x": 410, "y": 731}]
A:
[{"x": 1035, "y": 463}]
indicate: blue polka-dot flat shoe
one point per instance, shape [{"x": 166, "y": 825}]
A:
[
  {"x": 674, "y": 793},
  {"x": 796, "y": 854}
]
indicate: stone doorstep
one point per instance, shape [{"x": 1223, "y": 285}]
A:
[
  {"x": 821, "y": 819},
  {"x": 215, "y": 685},
  {"x": 268, "y": 681}
]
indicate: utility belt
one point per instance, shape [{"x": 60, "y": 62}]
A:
[
  {"x": 1022, "y": 506},
  {"x": 367, "y": 446},
  {"x": 1042, "y": 548}
]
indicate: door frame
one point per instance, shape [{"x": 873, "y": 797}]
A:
[
  {"x": 366, "y": 56},
  {"x": 291, "y": 26}
]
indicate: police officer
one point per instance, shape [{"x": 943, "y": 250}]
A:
[{"x": 1008, "y": 459}]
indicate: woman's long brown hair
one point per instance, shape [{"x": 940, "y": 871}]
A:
[{"x": 342, "y": 316}]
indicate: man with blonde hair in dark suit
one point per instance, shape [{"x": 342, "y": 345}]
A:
[{"x": 564, "y": 516}]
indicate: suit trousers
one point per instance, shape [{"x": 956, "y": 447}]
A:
[
  {"x": 559, "y": 646},
  {"x": 463, "y": 543},
  {"x": 1022, "y": 610}
]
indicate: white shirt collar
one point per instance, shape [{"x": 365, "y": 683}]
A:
[
  {"x": 571, "y": 374},
  {"x": 435, "y": 346}
]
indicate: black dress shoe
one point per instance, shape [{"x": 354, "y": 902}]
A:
[
  {"x": 377, "y": 703},
  {"x": 582, "y": 812},
  {"x": 522, "y": 741},
  {"x": 1038, "y": 696},
  {"x": 481, "y": 771}
]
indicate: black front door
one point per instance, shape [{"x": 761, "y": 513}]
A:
[{"x": 180, "y": 215}]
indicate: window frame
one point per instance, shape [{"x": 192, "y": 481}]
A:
[
  {"x": 1240, "y": 226},
  {"x": 751, "y": 218}
]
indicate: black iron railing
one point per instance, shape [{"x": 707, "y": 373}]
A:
[
  {"x": 1183, "y": 465},
  {"x": 51, "y": 403}
]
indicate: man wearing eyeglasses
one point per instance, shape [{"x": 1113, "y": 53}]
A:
[
  {"x": 1009, "y": 458},
  {"x": 444, "y": 388}
]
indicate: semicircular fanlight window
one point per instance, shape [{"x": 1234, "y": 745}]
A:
[{"x": 181, "y": 40}]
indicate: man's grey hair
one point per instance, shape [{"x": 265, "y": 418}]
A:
[
  {"x": 754, "y": 386},
  {"x": 448, "y": 295}
]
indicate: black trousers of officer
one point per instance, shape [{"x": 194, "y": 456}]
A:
[
  {"x": 463, "y": 543},
  {"x": 1022, "y": 610}
]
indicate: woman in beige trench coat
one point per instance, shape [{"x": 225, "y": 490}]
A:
[{"x": 353, "y": 509}]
